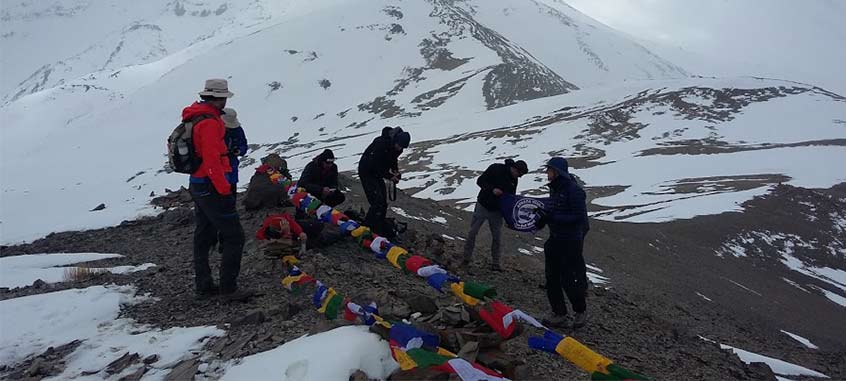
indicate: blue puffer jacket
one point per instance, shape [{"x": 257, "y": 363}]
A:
[
  {"x": 236, "y": 142},
  {"x": 567, "y": 214}
]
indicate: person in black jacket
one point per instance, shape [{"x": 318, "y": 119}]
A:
[
  {"x": 379, "y": 162},
  {"x": 566, "y": 216},
  {"x": 320, "y": 179},
  {"x": 498, "y": 179}
]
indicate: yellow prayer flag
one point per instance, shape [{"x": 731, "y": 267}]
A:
[
  {"x": 359, "y": 231},
  {"x": 582, "y": 356},
  {"x": 394, "y": 254},
  {"x": 290, "y": 260},
  {"x": 289, "y": 280},
  {"x": 403, "y": 359},
  {"x": 329, "y": 294},
  {"x": 458, "y": 290}
]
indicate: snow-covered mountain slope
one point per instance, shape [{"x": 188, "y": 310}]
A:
[
  {"x": 498, "y": 78},
  {"x": 310, "y": 74},
  {"x": 794, "y": 40},
  {"x": 670, "y": 150}
]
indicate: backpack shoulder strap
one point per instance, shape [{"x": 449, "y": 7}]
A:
[{"x": 199, "y": 118}]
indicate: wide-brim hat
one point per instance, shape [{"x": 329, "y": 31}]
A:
[
  {"x": 218, "y": 88},
  {"x": 230, "y": 118}
]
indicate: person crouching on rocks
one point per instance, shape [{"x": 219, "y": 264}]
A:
[
  {"x": 566, "y": 216},
  {"x": 285, "y": 236},
  {"x": 265, "y": 190},
  {"x": 320, "y": 179}
]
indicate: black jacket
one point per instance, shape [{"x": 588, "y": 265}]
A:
[
  {"x": 314, "y": 178},
  {"x": 496, "y": 176},
  {"x": 567, "y": 215},
  {"x": 379, "y": 158}
]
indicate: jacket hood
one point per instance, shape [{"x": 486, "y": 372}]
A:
[
  {"x": 199, "y": 108},
  {"x": 326, "y": 154}
]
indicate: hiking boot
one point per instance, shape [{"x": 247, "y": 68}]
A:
[
  {"x": 207, "y": 293},
  {"x": 559, "y": 321},
  {"x": 242, "y": 296},
  {"x": 496, "y": 267},
  {"x": 580, "y": 320}
]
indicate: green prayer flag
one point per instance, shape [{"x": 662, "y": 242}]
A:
[
  {"x": 425, "y": 359},
  {"x": 479, "y": 290},
  {"x": 625, "y": 374},
  {"x": 333, "y": 307}
]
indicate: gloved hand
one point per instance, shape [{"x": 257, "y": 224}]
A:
[{"x": 543, "y": 219}]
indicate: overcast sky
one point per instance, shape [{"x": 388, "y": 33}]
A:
[{"x": 802, "y": 40}]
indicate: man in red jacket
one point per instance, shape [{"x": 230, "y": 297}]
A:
[{"x": 213, "y": 199}]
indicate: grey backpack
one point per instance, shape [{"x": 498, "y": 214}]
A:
[{"x": 180, "y": 146}]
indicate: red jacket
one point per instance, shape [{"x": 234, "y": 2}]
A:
[
  {"x": 273, "y": 221},
  {"x": 209, "y": 145}
]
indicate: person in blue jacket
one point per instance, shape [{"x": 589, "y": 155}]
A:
[
  {"x": 566, "y": 216},
  {"x": 236, "y": 145},
  {"x": 236, "y": 142}
]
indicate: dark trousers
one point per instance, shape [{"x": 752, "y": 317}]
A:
[
  {"x": 565, "y": 271},
  {"x": 377, "y": 197},
  {"x": 216, "y": 215}
]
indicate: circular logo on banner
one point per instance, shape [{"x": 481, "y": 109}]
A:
[{"x": 524, "y": 214}]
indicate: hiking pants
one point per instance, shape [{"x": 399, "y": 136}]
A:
[
  {"x": 215, "y": 214},
  {"x": 565, "y": 270},
  {"x": 494, "y": 218},
  {"x": 377, "y": 197}
]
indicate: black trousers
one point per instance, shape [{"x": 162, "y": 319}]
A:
[
  {"x": 565, "y": 271},
  {"x": 216, "y": 215},
  {"x": 377, "y": 197}
]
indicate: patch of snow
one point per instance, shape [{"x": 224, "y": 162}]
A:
[
  {"x": 779, "y": 367},
  {"x": 448, "y": 237},
  {"x": 596, "y": 278},
  {"x": 800, "y": 339},
  {"x": 736, "y": 250},
  {"x": 834, "y": 277},
  {"x": 744, "y": 287},
  {"x": 351, "y": 348},
  {"x": 120, "y": 270},
  {"x": 839, "y": 221},
  {"x": 31, "y": 324},
  {"x": 439, "y": 220},
  {"x": 540, "y": 250},
  {"x": 524, "y": 251},
  {"x": 794, "y": 284},
  {"x": 403, "y": 213},
  {"x": 704, "y": 297},
  {"x": 23, "y": 270},
  {"x": 834, "y": 297},
  {"x": 594, "y": 268}
]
